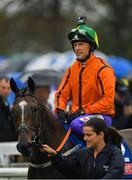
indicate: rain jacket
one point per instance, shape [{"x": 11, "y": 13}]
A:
[
  {"x": 109, "y": 164},
  {"x": 90, "y": 86}
]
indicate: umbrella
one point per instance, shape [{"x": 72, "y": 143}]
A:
[
  {"x": 122, "y": 66},
  {"x": 42, "y": 62},
  {"x": 55, "y": 61},
  {"x": 19, "y": 83}
]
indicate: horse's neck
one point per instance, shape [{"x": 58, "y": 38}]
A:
[
  {"x": 52, "y": 133},
  {"x": 55, "y": 131}
]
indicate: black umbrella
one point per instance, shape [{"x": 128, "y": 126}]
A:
[{"x": 44, "y": 77}]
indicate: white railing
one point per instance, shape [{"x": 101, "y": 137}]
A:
[
  {"x": 6, "y": 150},
  {"x": 13, "y": 172}
]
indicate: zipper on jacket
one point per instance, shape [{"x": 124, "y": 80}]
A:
[
  {"x": 80, "y": 87},
  {"x": 94, "y": 164}
]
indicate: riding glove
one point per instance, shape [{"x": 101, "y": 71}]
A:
[
  {"x": 76, "y": 114},
  {"x": 61, "y": 114}
]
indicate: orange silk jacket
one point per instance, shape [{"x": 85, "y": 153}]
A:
[{"x": 90, "y": 86}]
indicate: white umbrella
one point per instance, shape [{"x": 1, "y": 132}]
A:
[
  {"x": 55, "y": 61},
  {"x": 42, "y": 62}
]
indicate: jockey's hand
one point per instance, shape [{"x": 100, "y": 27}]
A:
[
  {"x": 75, "y": 115},
  {"x": 61, "y": 115}
]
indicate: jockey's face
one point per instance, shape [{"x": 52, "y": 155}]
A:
[
  {"x": 91, "y": 138},
  {"x": 81, "y": 49}
]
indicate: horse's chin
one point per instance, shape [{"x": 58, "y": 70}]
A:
[{"x": 25, "y": 150}]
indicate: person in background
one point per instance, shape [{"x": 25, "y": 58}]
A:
[
  {"x": 101, "y": 159},
  {"x": 7, "y": 128},
  {"x": 121, "y": 92},
  {"x": 89, "y": 82},
  {"x": 123, "y": 105},
  {"x": 42, "y": 88},
  {"x": 127, "y": 111}
]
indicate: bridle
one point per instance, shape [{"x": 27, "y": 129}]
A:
[
  {"x": 36, "y": 142},
  {"x": 36, "y": 139}
]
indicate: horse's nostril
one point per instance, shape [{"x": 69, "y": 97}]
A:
[
  {"x": 18, "y": 147},
  {"x": 24, "y": 149}
]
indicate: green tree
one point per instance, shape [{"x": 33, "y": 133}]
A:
[
  {"x": 42, "y": 25},
  {"x": 115, "y": 28}
]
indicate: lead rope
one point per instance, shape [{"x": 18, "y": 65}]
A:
[
  {"x": 67, "y": 153},
  {"x": 58, "y": 149},
  {"x": 64, "y": 140}
]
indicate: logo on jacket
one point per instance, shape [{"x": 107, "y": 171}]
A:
[{"x": 106, "y": 168}]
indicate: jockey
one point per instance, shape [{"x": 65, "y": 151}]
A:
[{"x": 89, "y": 82}]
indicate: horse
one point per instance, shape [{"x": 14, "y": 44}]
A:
[{"x": 37, "y": 125}]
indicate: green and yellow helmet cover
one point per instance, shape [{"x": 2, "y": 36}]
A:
[{"x": 84, "y": 33}]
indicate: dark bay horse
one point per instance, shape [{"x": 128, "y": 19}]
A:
[{"x": 36, "y": 125}]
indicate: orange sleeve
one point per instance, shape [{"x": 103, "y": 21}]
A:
[
  {"x": 62, "y": 95},
  {"x": 106, "y": 104}
]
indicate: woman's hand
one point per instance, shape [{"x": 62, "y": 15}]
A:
[{"x": 48, "y": 149}]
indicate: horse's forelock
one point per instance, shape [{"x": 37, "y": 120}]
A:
[{"x": 23, "y": 90}]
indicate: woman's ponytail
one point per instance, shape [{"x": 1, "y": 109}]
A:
[{"x": 114, "y": 137}]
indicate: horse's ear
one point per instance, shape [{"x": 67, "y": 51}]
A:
[
  {"x": 13, "y": 86},
  {"x": 31, "y": 85}
]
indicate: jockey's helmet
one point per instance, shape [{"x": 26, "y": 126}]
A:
[{"x": 84, "y": 33}]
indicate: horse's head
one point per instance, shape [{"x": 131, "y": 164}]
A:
[{"x": 27, "y": 115}]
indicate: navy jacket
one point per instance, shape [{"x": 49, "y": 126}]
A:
[{"x": 109, "y": 164}]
